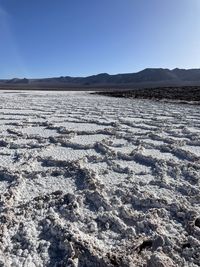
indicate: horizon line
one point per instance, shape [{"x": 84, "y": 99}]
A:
[{"x": 85, "y": 76}]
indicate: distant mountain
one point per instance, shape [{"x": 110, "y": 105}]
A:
[
  {"x": 17, "y": 81},
  {"x": 150, "y": 77}
]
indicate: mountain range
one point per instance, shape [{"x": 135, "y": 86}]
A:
[{"x": 150, "y": 77}]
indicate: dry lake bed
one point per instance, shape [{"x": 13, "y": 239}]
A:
[{"x": 88, "y": 180}]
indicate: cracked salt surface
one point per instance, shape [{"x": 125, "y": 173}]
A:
[
  {"x": 88, "y": 180},
  {"x": 87, "y": 139},
  {"x": 41, "y": 131},
  {"x": 65, "y": 153}
]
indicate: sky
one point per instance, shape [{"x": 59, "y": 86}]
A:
[{"x": 48, "y": 38}]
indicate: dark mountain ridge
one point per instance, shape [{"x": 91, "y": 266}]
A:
[{"x": 150, "y": 77}]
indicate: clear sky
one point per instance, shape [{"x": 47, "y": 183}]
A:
[{"x": 44, "y": 38}]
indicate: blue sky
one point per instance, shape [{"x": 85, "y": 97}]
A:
[{"x": 44, "y": 38}]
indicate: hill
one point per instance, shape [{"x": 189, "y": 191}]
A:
[{"x": 150, "y": 77}]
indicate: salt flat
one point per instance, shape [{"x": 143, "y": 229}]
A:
[{"x": 88, "y": 180}]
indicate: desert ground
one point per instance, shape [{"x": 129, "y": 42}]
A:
[{"x": 89, "y": 180}]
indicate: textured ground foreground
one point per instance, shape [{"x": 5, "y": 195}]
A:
[{"x": 88, "y": 180}]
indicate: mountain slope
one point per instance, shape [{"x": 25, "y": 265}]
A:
[{"x": 149, "y": 76}]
